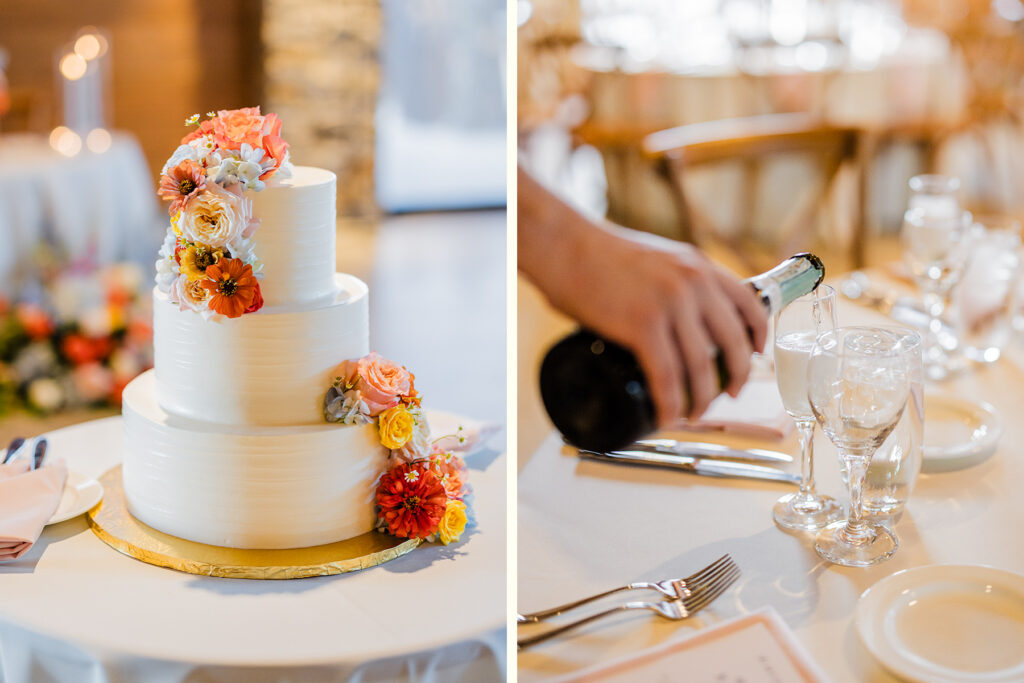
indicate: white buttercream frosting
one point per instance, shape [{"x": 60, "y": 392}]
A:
[
  {"x": 295, "y": 241},
  {"x": 247, "y": 487},
  {"x": 263, "y": 368}
]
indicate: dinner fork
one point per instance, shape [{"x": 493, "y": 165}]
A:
[
  {"x": 669, "y": 609},
  {"x": 673, "y": 589}
]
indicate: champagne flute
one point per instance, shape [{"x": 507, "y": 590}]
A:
[
  {"x": 858, "y": 382},
  {"x": 796, "y": 327}
]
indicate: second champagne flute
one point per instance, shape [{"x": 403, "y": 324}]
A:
[{"x": 796, "y": 328}]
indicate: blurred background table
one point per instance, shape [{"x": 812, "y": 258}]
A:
[
  {"x": 635, "y": 524},
  {"x": 99, "y": 207}
]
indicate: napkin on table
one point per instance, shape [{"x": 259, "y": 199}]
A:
[
  {"x": 757, "y": 412},
  {"x": 27, "y": 501}
]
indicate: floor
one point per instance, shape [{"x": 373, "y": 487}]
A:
[{"x": 437, "y": 305}]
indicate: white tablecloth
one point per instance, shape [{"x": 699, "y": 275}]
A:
[
  {"x": 74, "y": 609},
  {"x": 97, "y": 206},
  {"x": 586, "y": 526}
]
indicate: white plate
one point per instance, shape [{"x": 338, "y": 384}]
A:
[
  {"x": 946, "y": 624},
  {"x": 79, "y": 495},
  {"x": 958, "y": 433}
]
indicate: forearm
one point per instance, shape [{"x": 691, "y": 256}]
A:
[{"x": 549, "y": 232}]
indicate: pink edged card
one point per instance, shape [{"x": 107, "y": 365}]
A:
[{"x": 756, "y": 648}]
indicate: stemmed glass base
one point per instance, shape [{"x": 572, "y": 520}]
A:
[
  {"x": 806, "y": 511},
  {"x": 851, "y": 547}
]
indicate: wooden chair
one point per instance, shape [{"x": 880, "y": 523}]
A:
[{"x": 752, "y": 143}]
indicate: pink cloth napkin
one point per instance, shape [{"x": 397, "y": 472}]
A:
[
  {"x": 757, "y": 412},
  {"x": 27, "y": 501}
]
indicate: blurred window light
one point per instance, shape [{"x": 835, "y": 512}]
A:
[
  {"x": 1011, "y": 10},
  {"x": 65, "y": 141},
  {"x": 440, "y": 123},
  {"x": 73, "y": 66},
  {"x": 787, "y": 21},
  {"x": 98, "y": 140},
  {"x": 812, "y": 56}
]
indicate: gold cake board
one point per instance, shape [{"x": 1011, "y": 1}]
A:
[{"x": 111, "y": 521}]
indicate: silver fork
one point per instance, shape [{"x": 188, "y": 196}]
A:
[
  {"x": 673, "y": 589},
  {"x": 674, "y": 609}
]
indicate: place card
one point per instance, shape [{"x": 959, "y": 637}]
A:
[{"x": 756, "y": 648}]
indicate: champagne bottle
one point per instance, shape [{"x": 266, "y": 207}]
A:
[{"x": 594, "y": 390}]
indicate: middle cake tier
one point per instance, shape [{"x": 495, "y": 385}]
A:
[{"x": 264, "y": 368}]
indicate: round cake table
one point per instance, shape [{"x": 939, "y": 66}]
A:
[{"x": 74, "y": 609}]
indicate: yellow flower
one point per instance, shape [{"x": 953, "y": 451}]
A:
[
  {"x": 395, "y": 426},
  {"x": 453, "y": 523},
  {"x": 197, "y": 258},
  {"x": 174, "y": 223}
]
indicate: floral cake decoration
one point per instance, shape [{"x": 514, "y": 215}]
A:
[
  {"x": 424, "y": 493},
  {"x": 208, "y": 263}
]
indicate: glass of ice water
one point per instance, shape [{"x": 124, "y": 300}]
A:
[{"x": 896, "y": 465}]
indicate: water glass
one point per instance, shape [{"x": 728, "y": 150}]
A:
[
  {"x": 858, "y": 385},
  {"x": 935, "y": 250},
  {"x": 896, "y": 465},
  {"x": 935, "y": 195},
  {"x": 986, "y": 301}
]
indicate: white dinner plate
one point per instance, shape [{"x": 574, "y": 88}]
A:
[
  {"x": 958, "y": 432},
  {"x": 946, "y": 624},
  {"x": 79, "y": 495}
]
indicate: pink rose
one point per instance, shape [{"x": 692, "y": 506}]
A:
[
  {"x": 277, "y": 149},
  {"x": 232, "y": 128},
  {"x": 382, "y": 382},
  {"x": 271, "y": 125}
]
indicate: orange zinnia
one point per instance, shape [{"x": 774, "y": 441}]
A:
[{"x": 232, "y": 287}]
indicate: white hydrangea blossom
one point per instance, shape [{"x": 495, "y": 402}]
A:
[
  {"x": 166, "y": 268},
  {"x": 181, "y": 154}
]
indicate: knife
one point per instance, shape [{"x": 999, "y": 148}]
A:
[
  {"x": 695, "y": 449},
  {"x": 716, "y": 468}
]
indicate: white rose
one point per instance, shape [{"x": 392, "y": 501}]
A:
[
  {"x": 189, "y": 294},
  {"x": 216, "y": 217}
]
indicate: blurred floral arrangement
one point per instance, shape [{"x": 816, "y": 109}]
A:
[
  {"x": 208, "y": 263},
  {"x": 76, "y": 343},
  {"x": 424, "y": 493}
]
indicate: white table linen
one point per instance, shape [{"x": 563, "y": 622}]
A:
[
  {"x": 586, "y": 526},
  {"x": 100, "y": 206},
  {"x": 74, "y": 609}
]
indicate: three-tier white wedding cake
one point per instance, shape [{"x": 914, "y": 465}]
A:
[
  {"x": 266, "y": 423},
  {"x": 225, "y": 439}
]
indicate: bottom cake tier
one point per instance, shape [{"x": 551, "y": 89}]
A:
[{"x": 247, "y": 487}]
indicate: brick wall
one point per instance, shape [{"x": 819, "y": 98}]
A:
[{"x": 321, "y": 75}]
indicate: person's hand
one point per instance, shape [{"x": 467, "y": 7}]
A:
[
  {"x": 670, "y": 305},
  {"x": 663, "y": 300}
]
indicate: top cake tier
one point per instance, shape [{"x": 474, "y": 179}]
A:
[{"x": 295, "y": 241}]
